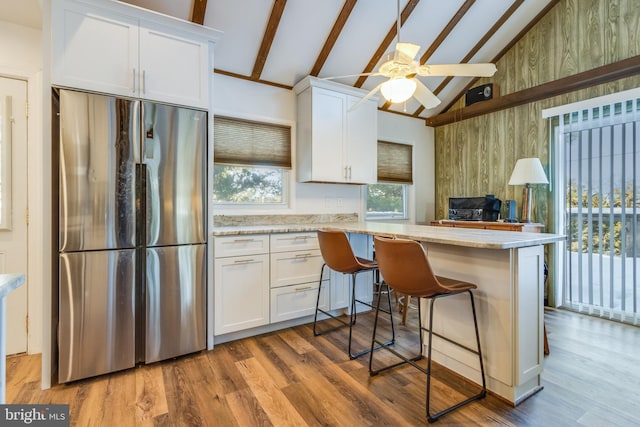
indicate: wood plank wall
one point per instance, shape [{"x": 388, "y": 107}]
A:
[{"x": 475, "y": 157}]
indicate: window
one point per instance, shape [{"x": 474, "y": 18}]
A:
[
  {"x": 598, "y": 161},
  {"x": 388, "y": 198},
  {"x": 386, "y": 201},
  {"x": 251, "y": 162}
]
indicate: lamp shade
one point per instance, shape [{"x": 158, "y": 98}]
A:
[
  {"x": 528, "y": 171},
  {"x": 398, "y": 89}
]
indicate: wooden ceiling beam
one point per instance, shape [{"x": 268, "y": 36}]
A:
[
  {"x": 508, "y": 47},
  {"x": 341, "y": 20},
  {"x": 505, "y": 16},
  {"x": 249, "y": 78},
  {"x": 446, "y": 31},
  {"x": 604, "y": 74},
  {"x": 198, "y": 11},
  {"x": 267, "y": 38}
]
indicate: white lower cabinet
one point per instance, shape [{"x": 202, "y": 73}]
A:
[
  {"x": 291, "y": 302},
  {"x": 241, "y": 288},
  {"x": 262, "y": 279},
  {"x": 295, "y": 272}
]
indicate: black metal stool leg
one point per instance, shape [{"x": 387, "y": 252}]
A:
[
  {"x": 354, "y": 302},
  {"x": 483, "y": 392},
  {"x": 342, "y": 324}
]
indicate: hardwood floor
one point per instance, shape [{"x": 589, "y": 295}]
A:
[{"x": 291, "y": 378}]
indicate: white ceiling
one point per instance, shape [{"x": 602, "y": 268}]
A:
[{"x": 306, "y": 24}]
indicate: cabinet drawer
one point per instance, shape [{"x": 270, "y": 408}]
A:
[
  {"x": 294, "y": 241},
  {"x": 226, "y": 246},
  {"x": 290, "y": 268},
  {"x": 291, "y": 302}
]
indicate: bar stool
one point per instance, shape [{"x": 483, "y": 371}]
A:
[
  {"x": 338, "y": 255},
  {"x": 405, "y": 267}
]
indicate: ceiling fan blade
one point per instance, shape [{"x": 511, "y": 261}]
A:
[
  {"x": 466, "y": 70},
  {"x": 408, "y": 49},
  {"x": 366, "y": 97},
  {"x": 351, "y": 75},
  {"x": 425, "y": 96}
]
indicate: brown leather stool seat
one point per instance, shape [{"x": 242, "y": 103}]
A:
[
  {"x": 406, "y": 269},
  {"x": 338, "y": 255}
]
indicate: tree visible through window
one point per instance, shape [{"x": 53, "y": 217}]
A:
[
  {"x": 386, "y": 201},
  {"x": 235, "y": 184},
  {"x": 251, "y": 162}
]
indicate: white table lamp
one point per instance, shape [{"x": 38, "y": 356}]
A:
[{"x": 526, "y": 172}]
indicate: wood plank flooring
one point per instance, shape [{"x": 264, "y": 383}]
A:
[{"x": 291, "y": 378}]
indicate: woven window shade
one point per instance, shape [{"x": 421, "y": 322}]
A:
[
  {"x": 246, "y": 143},
  {"x": 395, "y": 162}
]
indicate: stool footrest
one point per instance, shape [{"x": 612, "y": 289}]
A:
[{"x": 342, "y": 324}]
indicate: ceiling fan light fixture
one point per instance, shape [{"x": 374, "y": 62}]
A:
[{"x": 398, "y": 90}]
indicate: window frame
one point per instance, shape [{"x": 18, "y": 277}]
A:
[
  {"x": 407, "y": 186},
  {"x": 289, "y": 174},
  {"x": 405, "y": 198}
]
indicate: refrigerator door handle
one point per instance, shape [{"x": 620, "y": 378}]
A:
[{"x": 136, "y": 138}]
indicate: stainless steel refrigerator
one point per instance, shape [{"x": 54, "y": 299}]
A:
[{"x": 131, "y": 232}]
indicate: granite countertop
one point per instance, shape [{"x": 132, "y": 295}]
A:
[
  {"x": 233, "y": 230},
  {"x": 476, "y": 238},
  {"x": 9, "y": 282}
]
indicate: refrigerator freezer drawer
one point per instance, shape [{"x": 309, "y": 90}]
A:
[
  {"x": 176, "y": 298},
  {"x": 96, "y": 331}
]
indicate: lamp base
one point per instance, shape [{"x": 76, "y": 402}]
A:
[{"x": 526, "y": 204}]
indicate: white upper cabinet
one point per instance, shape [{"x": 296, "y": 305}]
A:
[
  {"x": 117, "y": 49},
  {"x": 335, "y": 144},
  {"x": 91, "y": 51},
  {"x": 173, "y": 68}
]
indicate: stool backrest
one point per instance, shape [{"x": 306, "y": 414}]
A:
[
  {"x": 405, "y": 267},
  {"x": 336, "y": 251}
]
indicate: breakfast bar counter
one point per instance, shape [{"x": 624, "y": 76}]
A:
[{"x": 507, "y": 267}]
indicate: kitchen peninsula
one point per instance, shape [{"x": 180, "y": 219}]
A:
[{"x": 508, "y": 269}]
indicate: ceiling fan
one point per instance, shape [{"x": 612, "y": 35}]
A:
[{"x": 401, "y": 70}]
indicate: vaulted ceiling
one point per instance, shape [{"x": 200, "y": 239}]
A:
[{"x": 279, "y": 42}]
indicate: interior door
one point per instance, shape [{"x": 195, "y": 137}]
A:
[{"x": 13, "y": 205}]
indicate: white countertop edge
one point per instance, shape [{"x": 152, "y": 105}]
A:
[
  {"x": 476, "y": 238},
  {"x": 9, "y": 282}
]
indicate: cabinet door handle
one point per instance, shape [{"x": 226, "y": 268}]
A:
[
  {"x": 243, "y": 261},
  {"x": 349, "y": 172},
  {"x": 295, "y": 238},
  {"x": 303, "y": 288},
  {"x": 134, "y": 79},
  {"x": 242, "y": 240},
  {"x": 346, "y": 176},
  {"x": 144, "y": 81},
  {"x": 307, "y": 255}
]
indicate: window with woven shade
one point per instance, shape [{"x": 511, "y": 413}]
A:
[
  {"x": 395, "y": 162},
  {"x": 388, "y": 198},
  {"x": 246, "y": 143},
  {"x": 251, "y": 162}
]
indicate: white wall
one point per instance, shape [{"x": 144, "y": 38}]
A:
[
  {"x": 398, "y": 128},
  {"x": 21, "y": 57},
  {"x": 245, "y": 99}
]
